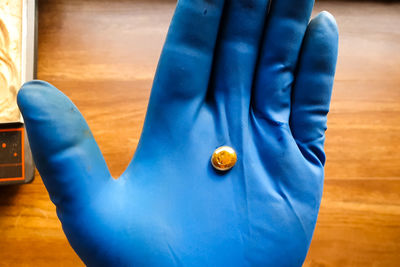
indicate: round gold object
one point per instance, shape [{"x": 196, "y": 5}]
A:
[{"x": 224, "y": 158}]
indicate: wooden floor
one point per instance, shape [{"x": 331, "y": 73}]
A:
[{"x": 103, "y": 55}]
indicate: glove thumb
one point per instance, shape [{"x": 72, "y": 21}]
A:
[{"x": 65, "y": 152}]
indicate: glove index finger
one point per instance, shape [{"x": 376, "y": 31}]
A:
[
  {"x": 65, "y": 152},
  {"x": 185, "y": 64}
]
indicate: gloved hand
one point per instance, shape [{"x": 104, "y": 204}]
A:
[{"x": 231, "y": 73}]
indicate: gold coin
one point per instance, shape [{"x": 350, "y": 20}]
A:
[{"x": 224, "y": 158}]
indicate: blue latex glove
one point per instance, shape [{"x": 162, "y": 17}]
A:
[{"x": 230, "y": 74}]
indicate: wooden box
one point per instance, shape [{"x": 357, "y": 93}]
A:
[{"x": 17, "y": 65}]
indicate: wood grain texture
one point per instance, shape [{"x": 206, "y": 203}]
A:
[
  {"x": 103, "y": 55},
  {"x": 11, "y": 21}
]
